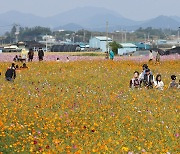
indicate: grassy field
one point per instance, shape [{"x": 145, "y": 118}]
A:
[{"x": 87, "y": 106}]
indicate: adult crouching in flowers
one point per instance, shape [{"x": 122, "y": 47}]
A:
[
  {"x": 135, "y": 82},
  {"x": 10, "y": 74},
  {"x": 158, "y": 83},
  {"x": 148, "y": 79}
]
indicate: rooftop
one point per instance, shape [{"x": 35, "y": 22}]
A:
[
  {"x": 103, "y": 38},
  {"x": 128, "y": 45}
]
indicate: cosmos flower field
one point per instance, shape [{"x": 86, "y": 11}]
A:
[{"x": 86, "y": 106}]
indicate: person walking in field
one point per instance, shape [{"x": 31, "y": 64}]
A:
[
  {"x": 135, "y": 81},
  {"x": 111, "y": 55},
  {"x": 158, "y": 57},
  {"x": 23, "y": 55},
  {"x": 148, "y": 79},
  {"x": 40, "y": 54},
  {"x": 150, "y": 56},
  {"x": 173, "y": 83},
  {"x": 158, "y": 83},
  {"x": 30, "y": 55}
]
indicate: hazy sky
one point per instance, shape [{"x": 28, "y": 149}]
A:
[{"x": 133, "y": 9}]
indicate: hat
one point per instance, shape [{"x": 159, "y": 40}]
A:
[{"x": 173, "y": 77}]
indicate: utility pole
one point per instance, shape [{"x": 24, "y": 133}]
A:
[
  {"x": 73, "y": 39},
  {"x": 148, "y": 36},
  {"x": 122, "y": 37},
  {"x": 17, "y": 32},
  {"x": 46, "y": 42},
  {"x": 125, "y": 37},
  {"x": 91, "y": 34},
  {"x": 107, "y": 24},
  {"x": 178, "y": 35},
  {"x": 145, "y": 41},
  {"x": 84, "y": 37}
]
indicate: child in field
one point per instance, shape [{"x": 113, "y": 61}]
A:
[
  {"x": 148, "y": 79},
  {"x": 13, "y": 66},
  {"x": 158, "y": 83},
  {"x": 67, "y": 59},
  {"x": 173, "y": 83},
  {"x": 57, "y": 60},
  {"x": 16, "y": 58},
  {"x": 24, "y": 66},
  {"x": 135, "y": 81},
  {"x": 17, "y": 68}
]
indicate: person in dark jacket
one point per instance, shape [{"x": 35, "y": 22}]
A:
[
  {"x": 148, "y": 79},
  {"x": 40, "y": 54},
  {"x": 30, "y": 55},
  {"x": 10, "y": 74},
  {"x": 145, "y": 67}
]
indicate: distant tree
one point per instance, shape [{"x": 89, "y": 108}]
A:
[
  {"x": 114, "y": 46},
  {"x": 35, "y": 33},
  {"x": 13, "y": 30}
]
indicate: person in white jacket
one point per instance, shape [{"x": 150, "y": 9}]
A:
[
  {"x": 150, "y": 56},
  {"x": 158, "y": 83}
]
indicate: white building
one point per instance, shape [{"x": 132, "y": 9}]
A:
[
  {"x": 126, "y": 48},
  {"x": 99, "y": 42},
  {"x": 48, "y": 38}
]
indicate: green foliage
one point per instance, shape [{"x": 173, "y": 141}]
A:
[
  {"x": 114, "y": 46},
  {"x": 29, "y": 34}
]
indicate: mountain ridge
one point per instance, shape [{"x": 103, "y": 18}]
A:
[{"x": 90, "y": 18}]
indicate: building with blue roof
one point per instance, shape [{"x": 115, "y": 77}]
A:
[{"x": 142, "y": 46}]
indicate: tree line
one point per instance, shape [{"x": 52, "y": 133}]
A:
[{"x": 36, "y": 33}]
